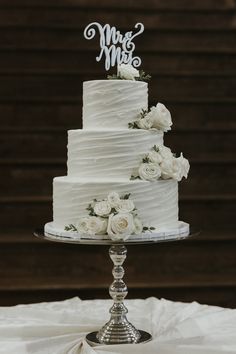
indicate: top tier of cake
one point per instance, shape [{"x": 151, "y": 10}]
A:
[{"x": 112, "y": 104}]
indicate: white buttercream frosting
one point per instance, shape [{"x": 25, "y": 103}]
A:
[
  {"x": 103, "y": 156},
  {"x": 112, "y": 104},
  {"x": 156, "y": 202},
  {"x": 110, "y": 154}
]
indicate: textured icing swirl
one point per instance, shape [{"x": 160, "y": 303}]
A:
[
  {"x": 112, "y": 104},
  {"x": 156, "y": 202},
  {"x": 102, "y": 157},
  {"x": 108, "y": 154}
]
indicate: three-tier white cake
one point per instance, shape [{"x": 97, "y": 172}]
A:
[{"x": 105, "y": 157}]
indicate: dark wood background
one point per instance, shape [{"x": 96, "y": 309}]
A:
[{"x": 189, "y": 47}]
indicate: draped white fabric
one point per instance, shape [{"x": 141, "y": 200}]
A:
[{"x": 60, "y": 327}]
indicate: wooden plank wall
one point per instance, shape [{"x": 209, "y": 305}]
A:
[{"x": 189, "y": 48}]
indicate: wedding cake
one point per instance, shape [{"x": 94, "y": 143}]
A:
[{"x": 122, "y": 180}]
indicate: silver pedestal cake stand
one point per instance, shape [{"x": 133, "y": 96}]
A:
[{"x": 118, "y": 330}]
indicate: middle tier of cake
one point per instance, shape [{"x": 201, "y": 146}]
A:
[{"x": 108, "y": 154}]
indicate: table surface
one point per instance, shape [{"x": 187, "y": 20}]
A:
[{"x": 61, "y": 327}]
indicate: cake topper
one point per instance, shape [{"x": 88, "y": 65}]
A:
[{"x": 116, "y": 48}]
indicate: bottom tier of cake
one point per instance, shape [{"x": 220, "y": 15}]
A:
[{"x": 156, "y": 202}]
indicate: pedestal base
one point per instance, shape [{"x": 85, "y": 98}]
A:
[
  {"x": 118, "y": 330},
  {"x": 92, "y": 339}
]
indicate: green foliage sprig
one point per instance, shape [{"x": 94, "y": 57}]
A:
[
  {"x": 71, "y": 227},
  {"x": 132, "y": 178},
  {"x": 155, "y": 148},
  {"x": 146, "y": 228},
  {"x": 91, "y": 210},
  {"x": 133, "y": 125},
  {"x": 146, "y": 159},
  {"x": 114, "y": 77},
  {"x": 142, "y": 77}
]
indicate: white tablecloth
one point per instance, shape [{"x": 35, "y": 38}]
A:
[{"x": 60, "y": 327}]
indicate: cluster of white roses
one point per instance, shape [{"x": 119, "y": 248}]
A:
[
  {"x": 115, "y": 216},
  {"x": 158, "y": 118},
  {"x": 128, "y": 72},
  {"x": 161, "y": 163}
]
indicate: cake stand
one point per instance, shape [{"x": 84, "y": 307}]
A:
[{"x": 118, "y": 330}]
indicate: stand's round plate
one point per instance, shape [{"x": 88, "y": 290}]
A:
[
  {"x": 92, "y": 340},
  {"x": 71, "y": 238}
]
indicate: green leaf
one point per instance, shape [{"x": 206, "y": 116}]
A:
[
  {"x": 134, "y": 177},
  {"x": 71, "y": 227},
  {"x": 133, "y": 125},
  {"x": 146, "y": 160},
  {"x": 143, "y": 76},
  {"x": 136, "y": 126},
  {"x": 126, "y": 196},
  {"x": 143, "y": 113},
  {"x": 155, "y": 148},
  {"x": 146, "y": 228},
  {"x": 92, "y": 213},
  {"x": 113, "y": 77}
]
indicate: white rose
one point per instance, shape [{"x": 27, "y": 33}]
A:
[
  {"x": 120, "y": 226},
  {"x": 165, "y": 152},
  {"x": 167, "y": 168},
  {"x": 102, "y": 208},
  {"x": 92, "y": 225},
  {"x": 180, "y": 168},
  {"x": 138, "y": 226},
  {"x": 177, "y": 169},
  {"x": 96, "y": 225},
  {"x": 155, "y": 157},
  {"x": 125, "y": 206},
  {"x": 185, "y": 165},
  {"x": 82, "y": 226},
  {"x": 172, "y": 168},
  {"x": 160, "y": 117},
  {"x": 149, "y": 171},
  {"x": 144, "y": 123},
  {"x": 127, "y": 71},
  {"x": 113, "y": 199}
]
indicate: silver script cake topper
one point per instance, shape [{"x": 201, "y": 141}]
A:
[{"x": 117, "y": 48}]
